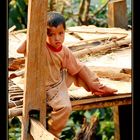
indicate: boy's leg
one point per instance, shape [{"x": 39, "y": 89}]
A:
[{"x": 61, "y": 109}]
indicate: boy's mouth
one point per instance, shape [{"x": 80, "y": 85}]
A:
[{"x": 58, "y": 43}]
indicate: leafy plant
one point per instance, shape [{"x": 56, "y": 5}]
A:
[
  {"x": 14, "y": 129},
  {"x": 105, "y": 128},
  {"x": 18, "y": 13}
]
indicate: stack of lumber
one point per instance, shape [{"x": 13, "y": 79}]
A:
[{"x": 106, "y": 51}]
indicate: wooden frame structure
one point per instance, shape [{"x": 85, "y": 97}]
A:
[{"x": 34, "y": 93}]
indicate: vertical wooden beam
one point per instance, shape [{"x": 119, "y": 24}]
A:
[
  {"x": 34, "y": 93},
  {"x": 116, "y": 122},
  {"x": 117, "y": 14}
]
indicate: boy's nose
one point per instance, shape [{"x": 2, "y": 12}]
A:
[{"x": 57, "y": 37}]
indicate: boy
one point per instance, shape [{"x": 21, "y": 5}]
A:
[{"x": 62, "y": 68}]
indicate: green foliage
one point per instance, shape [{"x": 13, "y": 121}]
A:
[
  {"x": 14, "y": 129},
  {"x": 18, "y": 14},
  {"x": 105, "y": 129},
  {"x": 100, "y": 19},
  {"x": 103, "y": 1},
  {"x": 129, "y": 15}
]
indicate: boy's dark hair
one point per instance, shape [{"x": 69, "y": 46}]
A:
[{"x": 54, "y": 19}]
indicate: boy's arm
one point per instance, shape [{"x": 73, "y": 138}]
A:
[
  {"x": 93, "y": 83},
  {"x": 22, "y": 48},
  {"x": 90, "y": 79}
]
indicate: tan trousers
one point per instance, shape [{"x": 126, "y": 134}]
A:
[{"x": 59, "y": 100}]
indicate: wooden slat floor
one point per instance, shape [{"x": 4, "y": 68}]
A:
[{"x": 83, "y": 102}]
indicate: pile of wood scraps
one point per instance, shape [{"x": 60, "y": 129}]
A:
[{"x": 106, "y": 51}]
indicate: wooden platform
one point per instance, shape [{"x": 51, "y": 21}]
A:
[
  {"x": 99, "y": 41},
  {"x": 106, "y": 51},
  {"x": 81, "y": 101}
]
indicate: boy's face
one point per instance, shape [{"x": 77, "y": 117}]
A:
[{"x": 55, "y": 36}]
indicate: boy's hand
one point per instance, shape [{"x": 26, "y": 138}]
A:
[{"x": 104, "y": 91}]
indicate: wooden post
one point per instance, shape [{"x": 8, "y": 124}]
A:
[
  {"x": 117, "y": 14},
  {"x": 116, "y": 122},
  {"x": 34, "y": 93}
]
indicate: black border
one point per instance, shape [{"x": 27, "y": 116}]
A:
[
  {"x": 3, "y": 70},
  {"x": 136, "y": 69}
]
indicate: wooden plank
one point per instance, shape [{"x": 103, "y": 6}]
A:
[
  {"x": 100, "y": 99},
  {"x": 97, "y": 30},
  {"x": 103, "y": 104},
  {"x": 38, "y": 131},
  {"x": 34, "y": 89},
  {"x": 117, "y": 14},
  {"x": 70, "y": 39},
  {"x": 14, "y": 112},
  {"x": 99, "y": 37},
  {"x": 15, "y": 103},
  {"x": 85, "y": 104}
]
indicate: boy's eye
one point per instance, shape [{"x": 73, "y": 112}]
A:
[
  {"x": 61, "y": 33},
  {"x": 49, "y": 34}
]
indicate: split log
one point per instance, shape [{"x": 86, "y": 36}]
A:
[
  {"x": 118, "y": 74},
  {"x": 15, "y": 112},
  {"x": 102, "y": 48},
  {"x": 90, "y": 43}
]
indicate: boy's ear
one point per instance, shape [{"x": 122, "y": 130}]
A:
[{"x": 48, "y": 31}]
